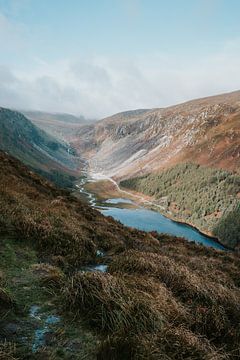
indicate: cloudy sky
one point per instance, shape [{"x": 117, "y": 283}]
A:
[{"x": 99, "y": 57}]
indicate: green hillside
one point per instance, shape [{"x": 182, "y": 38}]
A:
[
  {"x": 37, "y": 149},
  {"x": 199, "y": 195}
]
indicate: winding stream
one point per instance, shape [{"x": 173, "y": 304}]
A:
[{"x": 142, "y": 218}]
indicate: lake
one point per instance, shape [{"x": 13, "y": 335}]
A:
[{"x": 148, "y": 220}]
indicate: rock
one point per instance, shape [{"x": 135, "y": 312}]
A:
[{"x": 12, "y": 328}]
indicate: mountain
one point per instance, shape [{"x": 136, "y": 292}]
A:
[
  {"x": 156, "y": 296},
  {"x": 205, "y": 131},
  {"x": 185, "y": 157},
  {"x": 60, "y": 125},
  {"x": 39, "y": 150}
]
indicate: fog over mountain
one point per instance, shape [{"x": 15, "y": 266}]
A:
[
  {"x": 135, "y": 66},
  {"x": 98, "y": 87}
]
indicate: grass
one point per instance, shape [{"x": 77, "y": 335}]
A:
[
  {"x": 7, "y": 351},
  {"x": 29, "y": 282},
  {"x": 158, "y": 305},
  {"x": 162, "y": 297}
]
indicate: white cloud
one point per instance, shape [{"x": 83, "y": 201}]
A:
[{"x": 100, "y": 86}]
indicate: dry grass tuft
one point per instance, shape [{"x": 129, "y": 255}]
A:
[
  {"x": 176, "y": 343},
  {"x": 49, "y": 275},
  {"x": 110, "y": 303},
  {"x": 7, "y": 351},
  {"x": 158, "y": 308}
]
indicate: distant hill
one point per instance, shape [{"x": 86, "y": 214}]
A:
[
  {"x": 60, "y": 125},
  {"x": 37, "y": 149},
  {"x": 205, "y": 131}
]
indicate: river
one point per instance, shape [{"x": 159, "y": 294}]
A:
[{"x": 141, "y": 217}]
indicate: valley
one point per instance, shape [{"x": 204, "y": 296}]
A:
[
  {"x": 74, "y": 282},
  {"x": 119, "y": 180},
  {"x": 151, "y": 146},
  {"x": 94, "y": 255},
  {"x": 205, "y": 131}
]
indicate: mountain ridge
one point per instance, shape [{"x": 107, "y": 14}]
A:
[
  {"x": 42, "y": 152},
  {"x": 205, "y": 130},
  {"x": 60, "y": 125}
]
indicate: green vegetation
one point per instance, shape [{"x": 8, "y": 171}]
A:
[
  {"x": 161, "y": 298},
  {"x": 59, "y": 178},
  {"x": 198, "y": 195},
  {"x": 36, "y": 148},
  {"x": 31, "y": 283},
  {"x": 228, "y": 227}
]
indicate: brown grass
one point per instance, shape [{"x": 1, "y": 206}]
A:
[
  {"x": 162, "y": 298},
  {"x": 55, "y": 222},
  {"x": 167, "y": 309},
  {"x": 49, "y": 275},
  {"x": 7, "y": 351},
  {"x": 110, "y": 305}
]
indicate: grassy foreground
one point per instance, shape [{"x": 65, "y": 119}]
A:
[{"x": 161, "y": 297}]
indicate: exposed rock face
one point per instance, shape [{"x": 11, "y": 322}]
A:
[{"x": 206, "y": 131}]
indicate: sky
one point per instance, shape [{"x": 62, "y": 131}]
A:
[{"x": 99, "y": 57}]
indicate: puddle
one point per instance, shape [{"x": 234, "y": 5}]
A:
[
  {"x": 34, "y": 312},
  {"x": 44, "y": 326},
  {"x": 100, "y": 267},
  {"x": 52, "y": 319},
  {"x": 100, "y": 253}
]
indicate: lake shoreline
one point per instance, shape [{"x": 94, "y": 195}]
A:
[
  {"x": 106, "y": 187},
  {"x": 179, "y": 221}
]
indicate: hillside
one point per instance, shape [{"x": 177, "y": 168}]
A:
[
  {"x": 37, "y": 149},
  {"x": 62, "y": 126},
  {"x": 205, "y": 197},
  {"x": 205, "y": 131},
  {"x": 159, "y": 297}
]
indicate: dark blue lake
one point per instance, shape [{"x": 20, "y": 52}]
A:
[
  {"x": 145, "y": 219},
  {"x": 149, "y": 220}
]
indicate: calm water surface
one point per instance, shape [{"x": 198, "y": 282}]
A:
[
  {"x": 144, "y": 219},
  {"x": 149, "y": 220}
]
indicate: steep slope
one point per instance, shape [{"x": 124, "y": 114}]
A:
[
  {"x": 61, "y": 126},
  {"x": 160, "y": 298},
  {"x": 39, "y": 150},
  {"x": 205, "y": 131}
]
